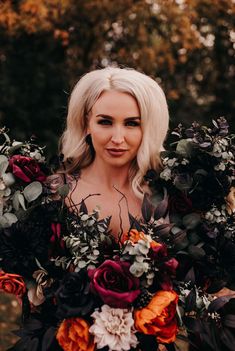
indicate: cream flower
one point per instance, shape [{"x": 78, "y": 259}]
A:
[{"x": 113, "y": 327}]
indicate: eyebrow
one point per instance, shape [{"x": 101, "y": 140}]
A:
[{"x": 126, "y": 119}]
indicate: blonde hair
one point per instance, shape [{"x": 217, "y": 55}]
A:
[{"x": 154, "y": 119}]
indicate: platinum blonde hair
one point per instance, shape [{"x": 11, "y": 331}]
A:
[{"x": 154, "y": 119}]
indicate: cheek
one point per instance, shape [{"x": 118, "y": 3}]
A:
[
  {"x": 99, "y": 137},
  {"x": 136, "y": 138}
]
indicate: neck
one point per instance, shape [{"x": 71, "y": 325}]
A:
[{"x": 110, "y": 177}]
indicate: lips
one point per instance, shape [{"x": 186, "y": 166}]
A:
[{"x": 116, "y": 152}]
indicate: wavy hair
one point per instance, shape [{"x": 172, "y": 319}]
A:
[{"x": 154, "y": 120}]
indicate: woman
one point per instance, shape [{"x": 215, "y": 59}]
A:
[{"x": 116, "y": 125}]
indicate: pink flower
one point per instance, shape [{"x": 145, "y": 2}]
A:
[
  {"x": 113, "y": 327},
  {"x": 114, "y": 283},
  {"x": 26, "y": 169}
]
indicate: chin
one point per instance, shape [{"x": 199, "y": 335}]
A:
[{"x": 118, "y": 163}]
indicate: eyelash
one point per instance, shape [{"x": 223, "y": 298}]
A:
[{"x": 129, "y": 123}]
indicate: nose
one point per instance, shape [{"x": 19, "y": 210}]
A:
[{"x": 117, "y": 135}]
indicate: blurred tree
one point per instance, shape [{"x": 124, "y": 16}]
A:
[{"x": 188, "y": 46}]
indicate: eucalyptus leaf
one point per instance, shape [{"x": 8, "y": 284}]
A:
[
  {"x": 82, "y": 264},
  {"x": 191, "y": 220},
  {"x": 184, "y": 147},
  {"x": 3, "y": 164},
  {"x": 8, "y": 219},
  {"x": 8, "y": 178},
  {"x": 63, "y": 190},
  {"x": 22, "y": 201},
  {"x": 7, "y": 192},
  {"x": 15, "y": 200},
  {"x": 32, "y": 191}
]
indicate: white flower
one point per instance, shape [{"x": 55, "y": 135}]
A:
[
  {"x": 37, "y": 156},
  {"x": 139, "y": 268},
  {"x": 113, "y": 327},
  {"x": 166, "y": 174}
]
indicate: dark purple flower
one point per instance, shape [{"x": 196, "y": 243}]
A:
[{"x": 73, "y": 297}]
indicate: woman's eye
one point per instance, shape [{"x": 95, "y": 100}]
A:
[
  {"x": 133, "y": 123},
  {"x": 105, "y": 122}
]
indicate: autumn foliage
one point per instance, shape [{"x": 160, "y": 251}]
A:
[{"x": 187, "y": 45}]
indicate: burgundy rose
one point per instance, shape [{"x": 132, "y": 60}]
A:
[
  {"x": 26, "y": 169},
  {"x": 179, "y": 203},
  {"x": 114, "y": 283}
]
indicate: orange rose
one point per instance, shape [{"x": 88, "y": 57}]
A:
[
  {"x": 158, "y": 317},
  {"x": 12, "y": 283},
  {"x": 133, "y": 235},
  {"x": 73, "y": 335}
]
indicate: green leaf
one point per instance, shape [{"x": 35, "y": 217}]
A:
[
  {"x": 8, "y": 179},
  {"x": 7, "y": 220},
  {"x": 22, "y": 201},
  {"x": 3, "y": 164},
  {"x": 63, "y": 190},
  {"x": 32, "y": 191},
  {"x": 15, "y": 200},
  {"x": 184, "y": 147},
  {"x": 191, "y": 220}
]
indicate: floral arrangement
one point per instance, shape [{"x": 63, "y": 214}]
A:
[
  {"x": 22, "y": 172},
  {"x": 170, "y": 277}
]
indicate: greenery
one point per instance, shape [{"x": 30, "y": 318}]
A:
[{"x": 46, "y": 45}]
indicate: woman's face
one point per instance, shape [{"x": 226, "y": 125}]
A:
[{"x": 115, "y": 128}]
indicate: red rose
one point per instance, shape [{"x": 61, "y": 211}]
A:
[
  {"x": 114, "y": 283},
  {"x": 12, "y": 283},
  {"x": 26, "y": 169}
]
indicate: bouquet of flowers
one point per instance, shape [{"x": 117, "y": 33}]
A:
[
  {"x": 22, "y": 172},
  {"x": 170, "y": 277}
]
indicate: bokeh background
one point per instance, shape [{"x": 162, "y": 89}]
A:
[{"x": 188, "y": 46}]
